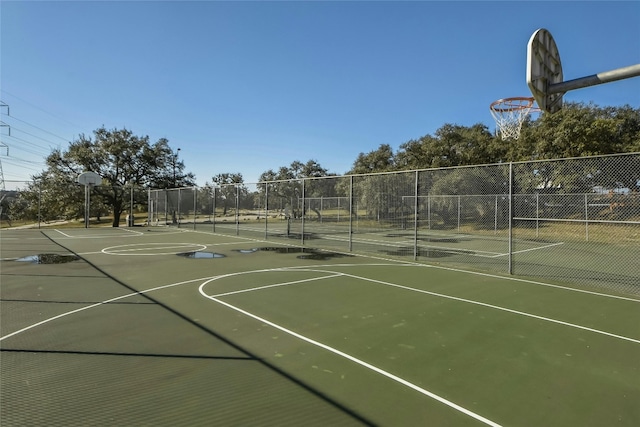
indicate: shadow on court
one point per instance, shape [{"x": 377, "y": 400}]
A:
[{"x": 132, "y": 361}]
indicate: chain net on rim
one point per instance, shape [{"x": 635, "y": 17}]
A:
[{"x": 510, "y": 113}]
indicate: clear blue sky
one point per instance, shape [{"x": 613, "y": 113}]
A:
[{"x": 251, "y": 86}]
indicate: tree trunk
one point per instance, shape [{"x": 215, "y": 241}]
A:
[{"x": 117, "y": 211}]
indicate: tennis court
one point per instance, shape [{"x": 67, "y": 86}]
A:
[{"x": 167, "y": 326}]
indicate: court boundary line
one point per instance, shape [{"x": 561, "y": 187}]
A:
[
  {"x": 408, "y": 288},
  {"x": 133, "y": 233},
  {"x": 360, "y": 362},
  {"x": 313, "y": 342},
  {"x": 149, "y": 246},
  {"x": 427, "y": 265}
]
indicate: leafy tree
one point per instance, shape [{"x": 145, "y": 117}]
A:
[
  {"x": 122, "y": 159},
  {"x": 380, "y": 160},
  {"x": 575, "y": 131},
  {"x": 452, "y": 145},
  {"x": 583, "y": 130},
  {"x": 286, "y": 184},
  {"x": 231, "y": 187}
]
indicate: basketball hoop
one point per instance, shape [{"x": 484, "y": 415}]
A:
[{"x": 510, "y": 113}]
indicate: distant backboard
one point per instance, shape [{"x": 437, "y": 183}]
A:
[
  {"x": 543, "y": 70},
  {"x": 89, "y": 178}
]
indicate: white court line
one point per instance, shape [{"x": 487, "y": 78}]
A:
[
  {"x": 496, "y": 307},
  {"x": 98, "y": 304},
  {"x": 115, "y": 234},
  {"x": 530, "y": 249},
  {"x": 393, "y": 261},
  {"x": 295, "y": 282},
  {"x": 395, "y": 285},
  {"x": 115, "y": 250},
  {"x": 357, "y": 361},
  {"x": 362, "y": 363},
  {"x": 463, "y": 251}
]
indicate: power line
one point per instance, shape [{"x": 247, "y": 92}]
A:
[
  {"x": 34, "y": 136},
  {"x": 41, "y": 109},
  {"x": 46, "y": 151},
  {"x": 39, "y": 128}
]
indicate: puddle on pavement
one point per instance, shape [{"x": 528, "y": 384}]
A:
[
  {"x": 49, "y": 259},
  {"x": 307, "y": 253},
  {"x": 200, "y": 255}
]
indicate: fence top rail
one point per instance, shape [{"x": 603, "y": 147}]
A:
[{"x": 399, "y": 172}]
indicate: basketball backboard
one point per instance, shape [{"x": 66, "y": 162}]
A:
[
  {"x": 543, "y": 70},
  {"x": 89, "y": 178}
]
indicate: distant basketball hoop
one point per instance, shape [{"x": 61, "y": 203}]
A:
[{"x": 88, "y": 179}]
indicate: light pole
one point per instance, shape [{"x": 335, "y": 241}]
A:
[{"x": 175, "y": 162}]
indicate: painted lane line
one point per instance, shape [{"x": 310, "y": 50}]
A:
[
  {"x": 530, "y": 249},
  {"x": 335, "y": 273},
  {"x": 495, "y": 307},
  {"x": 532, "y": 282},
  {"x": 157, "y": 288},
  {"x": 98, "y": 304},
  {"x": 114, "y": 235},
  {"x": 295, "y": 282},
  {"x": 357, "y": 361},
  {"x": 120, "y": 249},
  {"x": 398, "y": 262}
]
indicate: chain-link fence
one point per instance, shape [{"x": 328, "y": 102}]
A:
[
  {"x": 570, "y": 220},
  {"x": 44, "y": 203}
]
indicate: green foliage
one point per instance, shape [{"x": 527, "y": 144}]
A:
[
  {"x": 121, "y": 158},
  {"x": 575, "y": 131}
]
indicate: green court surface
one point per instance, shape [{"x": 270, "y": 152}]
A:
[{"x": 243, "y": 331}]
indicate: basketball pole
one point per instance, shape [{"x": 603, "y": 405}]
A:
[{"x": 595, "y": 79}]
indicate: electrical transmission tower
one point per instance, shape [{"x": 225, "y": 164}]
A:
[{"x": 3, "y": 146}]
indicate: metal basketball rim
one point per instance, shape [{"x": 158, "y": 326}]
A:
[{"x": 510, "y": 114}]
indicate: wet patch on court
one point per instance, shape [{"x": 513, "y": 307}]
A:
[
  {"x": 49, "y": 259},
  {"x": 427, "y": 252},
  {"x": 439, "y": 239},
  {"x": 200, "y": 255},
  {"x": 297, "y": 236},
  {"x": 306, "y": 253},
  {"x": 399, "y": 235}
]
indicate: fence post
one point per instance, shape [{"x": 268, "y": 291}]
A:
[
  {"x": 495, "y": 217},
  {"x": 266, "y": 211},
  {"x": 429, "y": 210},
  {"x": 586, "y": 216},
  {"x": 237, "y": 210},
  {"x": 214, "y": 209},
  {"x": 195, "y": 205},
  {"x": 179, "y": 206},
  {"x": 458, "y": 213},
  {"x": 537, "y": 214},
  {"x": 303, "y": 215},
  {"x": 131, "y": 221},
  {"x": 39, "y": 203},
  {"x": 510, "y": 218},
  {"x": 415, "y": 218},
  {"x": 350, "y": 213}
]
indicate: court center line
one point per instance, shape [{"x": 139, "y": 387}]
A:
[{"x": 357, "y": 361}]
